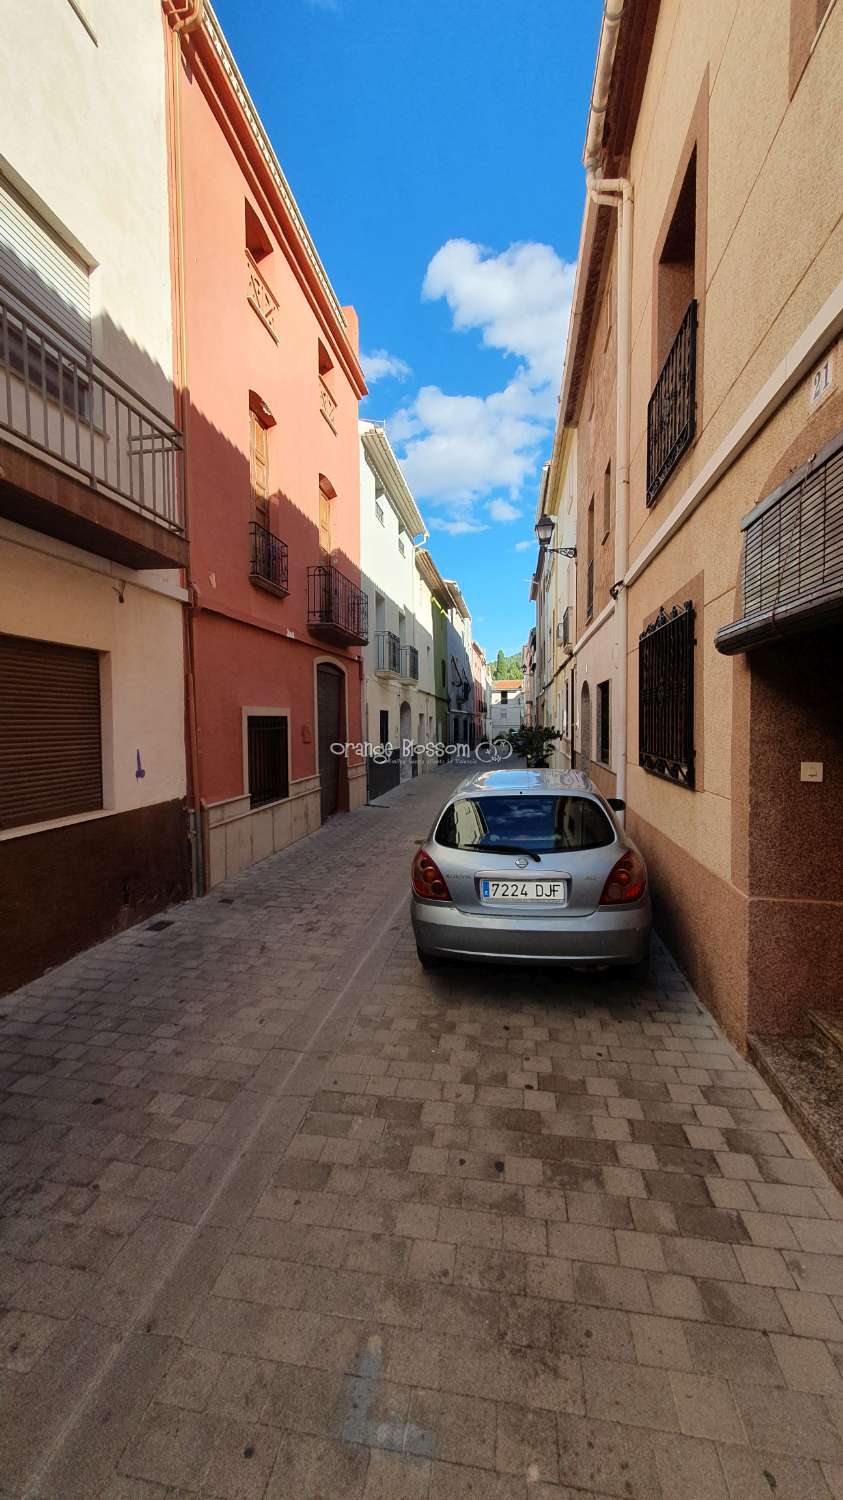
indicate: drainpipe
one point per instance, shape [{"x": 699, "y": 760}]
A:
[
  {"x": 186, "y": 20},
  {"x": 615, "y": 193}
]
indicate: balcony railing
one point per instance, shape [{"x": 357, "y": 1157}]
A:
[
  {"x": 463, "y": 692},
  {"x": 589, "y": 590},
  {"x": 259, "y": 296},
  {"x": 409, "y": 663},
  {"x": 269, "y": 559},
  {"x": 563, "y": 629},
  {"x": 671, "y": 412},
  {"x": 327, "y": 405},
  {"x": 71, "y": 409},
  {"x": 387, "y": 653},
  {"x": 336, "y": 607}
]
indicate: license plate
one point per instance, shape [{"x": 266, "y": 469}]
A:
[{"x": 522, "y": 890}]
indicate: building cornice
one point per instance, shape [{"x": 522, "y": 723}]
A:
[
  {"x": 202, "y": 35},
  {"x": 378, "y": 450},
  {"x": 456, "y": 597},
  {"x": 432, "y": 577}
]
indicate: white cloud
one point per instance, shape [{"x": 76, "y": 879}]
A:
[
  {"x": 525, "y": 546},
  {"x": 502, "y": 510},
  {"x": 460, "y": 448},
  {"x": 520, "y": 299},
  {"x": 379, "y": 365},
  {"x": 457, "y": 527}
]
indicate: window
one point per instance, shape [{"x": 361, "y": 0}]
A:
[
  {"x": 258, "y": 243},
  {"x": 504, "y": 697},
  {"x": 327, "y": 494},
  {"x": 677, "y": 263},
  {"x": 384, "y": 726},
  {"x": 50, "y": 731},
  {"x": 259, "y": 467},
  {"x": 671, "y": 410},
  {"x": 806, "y": 18},
  {"x": 546, "y": 825},
  {"x": 666, "y": 695},
  {"x": 401, "y": 546},
  {"x": 607, "y": 500},
  {"x": 603, "y": 742},
  {"x": 443, "y": 674},
  {"x": 379, "y": 512},
  {"x": 589, "y": 572},
  {"x": 268, "y": 760}
]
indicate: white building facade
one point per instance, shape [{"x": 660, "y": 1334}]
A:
[{"x": 399, "y": 671}]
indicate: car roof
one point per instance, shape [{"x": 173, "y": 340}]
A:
[{"x": 520, "y": 781}]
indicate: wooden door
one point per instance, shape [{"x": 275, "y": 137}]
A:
[{"x": 329, "y": 705}]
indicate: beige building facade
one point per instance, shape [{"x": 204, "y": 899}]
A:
[
  {"x": 93, "y": 824},
  {"x": 703, "y": 375}
]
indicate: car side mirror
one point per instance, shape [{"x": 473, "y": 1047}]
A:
[{"x": 617, "y": 804}]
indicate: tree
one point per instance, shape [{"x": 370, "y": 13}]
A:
[{"x": 506, "y": 667}]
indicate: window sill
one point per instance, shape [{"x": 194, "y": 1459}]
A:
[{"x": 26, "y": 829}]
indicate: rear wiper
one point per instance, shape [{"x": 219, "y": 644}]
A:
[{"x": 504, "y": 849}]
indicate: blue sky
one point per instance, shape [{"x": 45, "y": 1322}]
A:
[{"x": 434, "y": 147}]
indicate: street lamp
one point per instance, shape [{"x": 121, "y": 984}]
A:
[{"x": 544, "y": 531}]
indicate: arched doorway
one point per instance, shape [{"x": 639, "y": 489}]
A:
[
  {"x": 328, "y": 718},
  {"x": 405, "y": 725},
  {"x": 585, "y": 729}
]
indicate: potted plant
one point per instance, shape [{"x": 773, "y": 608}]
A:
[{"x": 533, "y": 741}]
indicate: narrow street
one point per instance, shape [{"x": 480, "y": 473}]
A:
[{"x": 287, "y": 1217}]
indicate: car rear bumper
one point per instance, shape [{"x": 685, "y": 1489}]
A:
[{"x": 611, "y": 935}]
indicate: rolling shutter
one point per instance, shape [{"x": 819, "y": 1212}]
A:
[
  {"x": 50, "y": 731},
  {"x": 34, "y": 261}
]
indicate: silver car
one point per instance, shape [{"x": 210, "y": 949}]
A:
[{"x": 531, "y": 866}]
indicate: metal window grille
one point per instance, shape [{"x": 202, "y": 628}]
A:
[
  {"x": 268, "y": 761},
  {"x": 379, "y": 512},
  {"x": 269, "y": 557},
  {"x": 666, "y": 695},
  {"x": 671, "y": 411},
  {"x": 589, "y": 591},
  {"x": 409, "y": 662},
  {"x": 603, "y": 722},
  {"x": 566, "y": 626}
]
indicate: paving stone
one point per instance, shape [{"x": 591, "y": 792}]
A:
[
  {"x": 646, "y": 1400},
  {"x": 393, "y": 1232},
  {"x": 754, "y": 1475}
]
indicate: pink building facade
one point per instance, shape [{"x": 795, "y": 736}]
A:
[{"x": 271, "y": 381}]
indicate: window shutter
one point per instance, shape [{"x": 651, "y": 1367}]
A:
[
  {"x": 324, "y": 521},
  {"x": 50, "y": 731},
  {"x": 259, "y": 453},
  {"x": 35, "y": 262}
]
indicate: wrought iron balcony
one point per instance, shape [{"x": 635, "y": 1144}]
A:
[
  {"x": 120, "y": 458},
  {"x": 269, "y": 560},
  {"x": 409, "y": 664},
  {"x": 792, "y": 563},
  {"x": 671, "y": 411},
  {"x": 336, "y": 607},
  {"x": 387, "y": 654},
  {"x": 463, "y": 692},
  {"x": 589, "y": 590},
  {"x": 261, "y": 298}
]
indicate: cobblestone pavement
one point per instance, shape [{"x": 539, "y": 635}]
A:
[{"x": 286, "y": 1217}]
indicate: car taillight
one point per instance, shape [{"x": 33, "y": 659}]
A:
[
  {"x": 427, "y": 879},
  {"x": 627, "y": 881}
]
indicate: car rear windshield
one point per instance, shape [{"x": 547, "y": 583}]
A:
[{"x": 544, "y": 825}]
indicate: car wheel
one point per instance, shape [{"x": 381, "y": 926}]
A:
[{"x": 428, "y": 960}]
